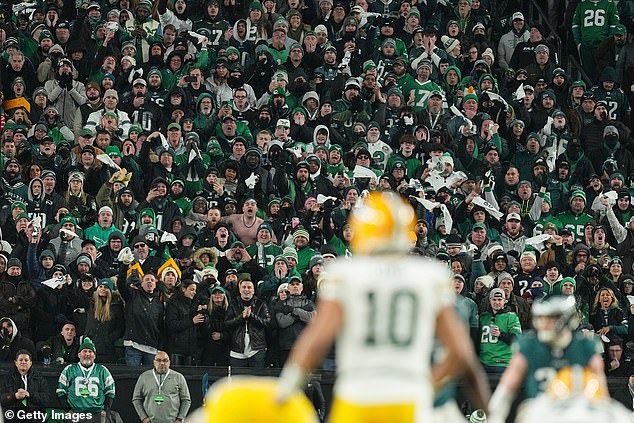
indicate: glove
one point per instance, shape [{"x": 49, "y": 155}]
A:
[
  {"x": 477, "y": 254},
  {"x": 287, "y": 309},
  {"x": 356, "y": 104},
  {"x": 251, "y": 181},
  {"x": 125, "y": 256}
]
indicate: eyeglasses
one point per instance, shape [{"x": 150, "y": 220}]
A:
[
  {"x": 136, "y": 247},
  {"x": 162, "y": 360}
]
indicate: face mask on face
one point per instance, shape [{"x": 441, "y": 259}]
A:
[
  {"x": 611, "y": 140},
  {"x": 235, "y": 81},
  {"x": 574, "y": 151}
]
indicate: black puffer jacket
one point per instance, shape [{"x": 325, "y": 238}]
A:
[{"x": 256, "y": 323}]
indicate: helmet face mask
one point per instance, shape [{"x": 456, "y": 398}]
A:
[{"x": 553, "y": 317}]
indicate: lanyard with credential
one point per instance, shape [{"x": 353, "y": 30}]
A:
[
  {"x": 84, "y": 391},
  {"x": 160, "y": 398}
]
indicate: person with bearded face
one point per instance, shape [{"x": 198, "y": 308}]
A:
[
  {"x": 11, "y": 182},
  {"x": 92, "y": 104},
  {"x": 141, "y": 109},
  {"x": 87, "y": 387}
]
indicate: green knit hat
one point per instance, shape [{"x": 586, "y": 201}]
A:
[
  {"x": 256, "y": 5},
  {"x": 16, "y": 204},
  {"x": 107, "y": 282},
  {"x": 470, "y": 95},
  {"x": 290, "y": 252},
  {"x": 87, "y": 344},
  {"x": 569, "y": 279},
  {"x": 578, "y": 193},
  {"x": 67, "y": 219}
]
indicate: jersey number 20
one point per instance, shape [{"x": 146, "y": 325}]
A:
[{"x": 392, "y": 320}]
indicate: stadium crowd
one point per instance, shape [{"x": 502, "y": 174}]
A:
[{"x": 175, "y": 175}]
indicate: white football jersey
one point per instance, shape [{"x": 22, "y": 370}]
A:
[
  {"x": 384, "y": 347},
  {"x": 381, "y": 153}
]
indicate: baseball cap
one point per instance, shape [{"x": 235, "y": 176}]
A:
[{"x": 513, "y": 216}]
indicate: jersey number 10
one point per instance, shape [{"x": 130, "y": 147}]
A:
[{"x": 393, "y": 320}]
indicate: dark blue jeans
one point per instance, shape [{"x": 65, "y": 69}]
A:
[
  {"x": 134, "y": 357},
  {"x": 258, "y": 361}
]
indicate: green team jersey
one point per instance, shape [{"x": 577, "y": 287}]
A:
[
  {"x": 539, "y": 225},
  {"x": 421, "y": 91},
  {"x": 86, "y": 389},
  {"x": 494, "y": 351},
  {"x": 593, "y": 22},
  {"x": 264, "y": 255},
  {"x": 617, "y": 102},
  {"x": 574, "y": 223},
  {"x": 544, "y": 362}
]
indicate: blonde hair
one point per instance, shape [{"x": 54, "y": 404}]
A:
[
  {"x": 102, "y": 308},
  {"x": 615, "y": 301}
]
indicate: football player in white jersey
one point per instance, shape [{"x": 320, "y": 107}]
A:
[{"x": 384, "y": 308}]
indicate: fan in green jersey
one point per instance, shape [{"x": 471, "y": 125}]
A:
[{"x": 86, "y": 386}]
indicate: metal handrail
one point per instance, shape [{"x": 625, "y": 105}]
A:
[
  {"x": 543, "y": 19},
  {"x": 572, "y": 65}
]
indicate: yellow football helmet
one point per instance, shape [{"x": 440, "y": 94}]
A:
[
  {"x": 576, "y": 381},
  {"x": 247, "y": 399},
  {"x": 382, "y": 224}
]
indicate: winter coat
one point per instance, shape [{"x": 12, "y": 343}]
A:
[
  {"x": 50, "y": 311},
  {"x": 17, "y": 298},
  {"x": 181, "y": 331},
  {"x": 104, "y": 334},
  {"x": 256, "y": 324},
  {"x": 293, "y": 316},
  {"x": 39, "y": 394},
  {"x": 507, "y": 45},
  {"x": 16, "y": 342},
  {"x": 144, "y": 313}
]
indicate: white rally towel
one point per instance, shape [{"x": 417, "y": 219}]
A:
[
  {"x": 479, "y": 201},
  {"x": 105, "y": 159},
  {"x": 430, "y": 205},
  {"x": 54, "y": 283}
]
